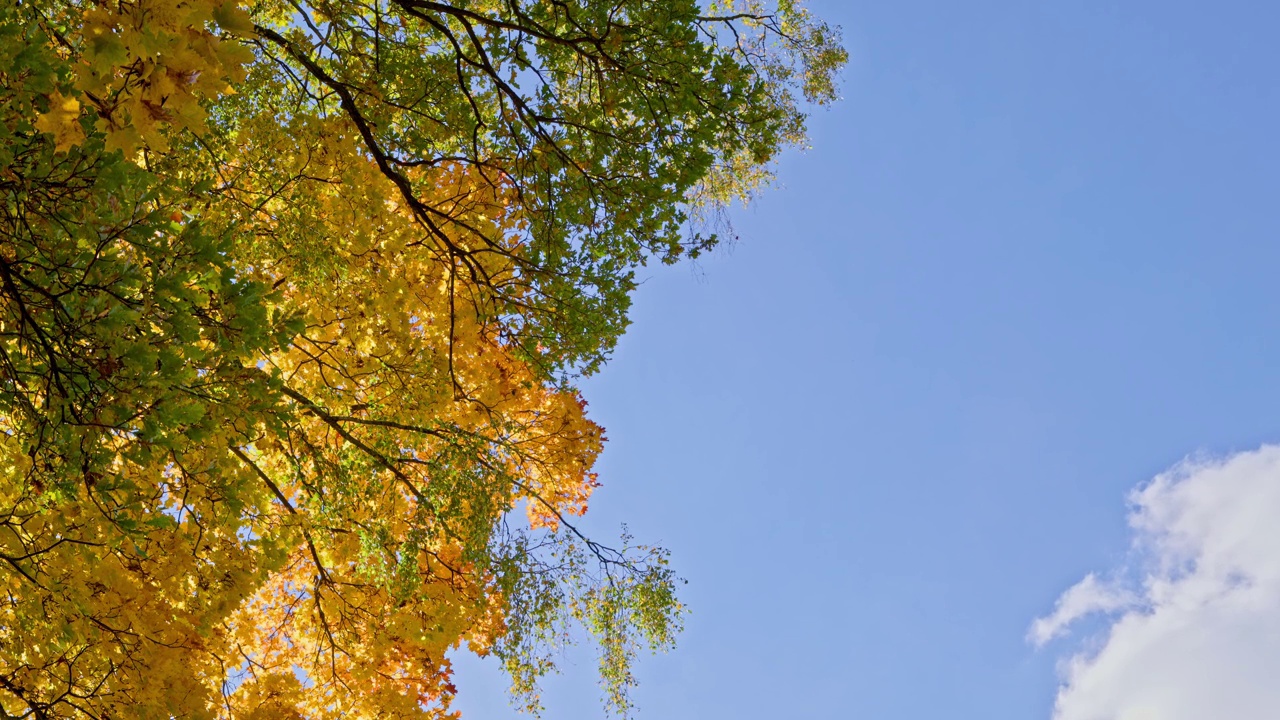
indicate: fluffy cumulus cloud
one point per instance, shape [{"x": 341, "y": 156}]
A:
[{"x": 1191, "y": 627}]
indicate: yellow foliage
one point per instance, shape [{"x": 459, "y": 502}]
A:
[
  {"x": 396, "y": 353},
  {"x": 146, "y": 66},
  {"x": 62, "y": 121},
  {"x": 341, "y": 585}
]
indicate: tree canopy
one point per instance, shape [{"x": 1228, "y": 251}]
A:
[{"x": 293, "y": 298}]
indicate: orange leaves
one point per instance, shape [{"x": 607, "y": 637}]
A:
[
  {"x": 408, "y": 428},
  {"x": 400, "y": 327},
  {"x": 359, "y": 651}
]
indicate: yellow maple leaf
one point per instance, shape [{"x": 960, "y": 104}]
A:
[
  {"x": 62, "y": 121},
  {"x": 233, "y": 20}
]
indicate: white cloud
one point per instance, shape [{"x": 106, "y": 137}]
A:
[
  {"x": 1192, "y": 627},
  {"x": 1086, "y": 597}
]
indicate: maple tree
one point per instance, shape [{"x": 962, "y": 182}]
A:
[{"x": 293, "y": 296}]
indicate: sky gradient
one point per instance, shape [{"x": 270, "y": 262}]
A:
[{"x": 1028, "y": 265}]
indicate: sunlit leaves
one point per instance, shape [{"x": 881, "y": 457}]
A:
[{"x": 292, "y": 299}]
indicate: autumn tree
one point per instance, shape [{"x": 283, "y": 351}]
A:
[{"x": 293, "y": 298}]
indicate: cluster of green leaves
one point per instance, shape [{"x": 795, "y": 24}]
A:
[
  {"x": 124, "y": 318},
  {"x": 612, "y": 121}
]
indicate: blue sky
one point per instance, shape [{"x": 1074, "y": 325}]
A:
[{"x": 1029, "y": 265}]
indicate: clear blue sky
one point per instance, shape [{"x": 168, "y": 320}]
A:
[{"x": 1030, "y": 262}]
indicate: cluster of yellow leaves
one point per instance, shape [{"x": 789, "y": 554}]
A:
[
  {"x": 318, "y": 568},
  {"x": 114, "y": 620},
  {"x": 398, "y": 367},
  {"x": 145, "y": 66}
]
